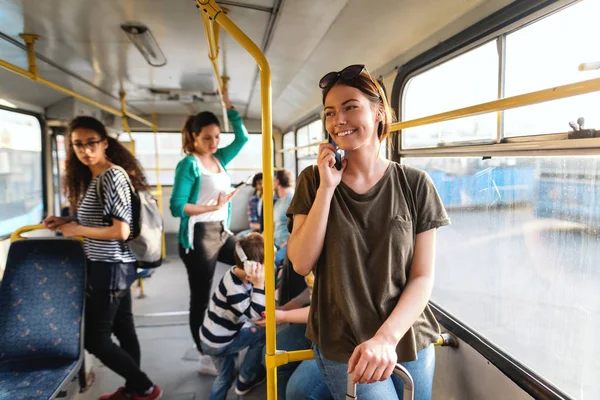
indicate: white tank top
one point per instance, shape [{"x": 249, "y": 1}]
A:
[{"x": 211, "y": 184}]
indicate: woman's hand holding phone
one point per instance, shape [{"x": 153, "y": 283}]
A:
[
  {"x": 224, "y": 198},
  {"x": 330, "y": 176}
]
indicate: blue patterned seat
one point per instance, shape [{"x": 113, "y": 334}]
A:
[{"x": 41, "y": 312}]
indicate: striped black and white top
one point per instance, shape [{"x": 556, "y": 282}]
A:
[
  {"x": 234, "y": 303},
  {"x": 117, "y": 204}
]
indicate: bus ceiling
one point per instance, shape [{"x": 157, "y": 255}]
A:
[{"x": 96, "y": 59}]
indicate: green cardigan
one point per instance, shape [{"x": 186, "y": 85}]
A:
[{"x": 186, "y": 186}]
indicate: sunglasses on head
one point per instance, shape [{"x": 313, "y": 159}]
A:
[{"x": 346, "y": 74}]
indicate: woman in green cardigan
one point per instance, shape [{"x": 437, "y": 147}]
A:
[{"x": 201, "y": 194}]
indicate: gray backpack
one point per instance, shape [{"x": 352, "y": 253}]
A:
[{"x": 146, "y": 242}]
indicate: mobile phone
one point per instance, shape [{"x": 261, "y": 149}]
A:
[
  {"x": 338, "y": 156},
  {"x": 248, "y": 181}
]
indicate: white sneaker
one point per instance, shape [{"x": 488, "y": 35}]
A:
[{"x": 207, "y": 366}]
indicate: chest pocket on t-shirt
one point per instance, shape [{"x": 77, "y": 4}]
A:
[
  {"x": 402, "y": 226},
  {"x": 403, "y": 220}
]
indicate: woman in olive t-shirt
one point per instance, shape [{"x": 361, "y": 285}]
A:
[{"x": 369, "y": 231}]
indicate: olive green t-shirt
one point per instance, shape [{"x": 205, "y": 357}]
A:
[{"x": 366, "y": 259}]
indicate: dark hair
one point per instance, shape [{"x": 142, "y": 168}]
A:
[
  {"x": 78, "y": 175},
  {"x": 193, "y": 125},
  {"x": 376, "y": 95},
  {"x": 285, "y": 177},
  {"x": 257, "y": 178},
  {"x": 254, "y": 247}
]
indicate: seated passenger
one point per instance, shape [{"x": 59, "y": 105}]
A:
[
  {"x": 239, "y": 298},
  {"x": 284, "y": 189},
  {"x": 255, "y": 213}
]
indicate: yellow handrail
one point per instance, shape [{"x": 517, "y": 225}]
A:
[
  {"x": 18, "y": 234},
  {"x": 32, "y": 74},
  {"x": 540, "y": 96},
  {"x": 215, "y": 13}
]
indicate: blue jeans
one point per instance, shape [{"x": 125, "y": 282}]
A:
[
  {"x": 244, "y": 233},
  {"x": 421, "y": 370},
  {"x": 290, "y": 338},
  {"x": 307, "y": 383},
  {"x": 280, "y": 256},
  {"x": 224, "y": 358}
]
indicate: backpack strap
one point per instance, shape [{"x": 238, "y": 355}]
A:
[{"x": 100, "y": 184}]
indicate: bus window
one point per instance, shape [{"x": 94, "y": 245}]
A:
[
  {"x": 519, "y": 262},
  {"x": 59, "y": 155},
  {"x": 289, "y": 157},
  {"x": 309, "y": 134},
  {"x": 21, "y": 184},
  {"x": 169, "y": 144},
  {"x": 250, "y": 158},
  {"x": 474, "y": 80},
  {"x": 302, "y": 138},
  {"x": 316, "y": 134},
  {"x": 546, "y": 54}
]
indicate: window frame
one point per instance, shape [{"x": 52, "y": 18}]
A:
[
  {"x": 45, "y": 156},
  {"x": 294, "y": 152},
  {"x": 511, "y": 18},
  {"x": 295, "y": 128},
  {"x": 495, "y": 27},
  {"x": 306, "y": 124}
]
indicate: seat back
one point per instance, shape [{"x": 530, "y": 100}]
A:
[{"x": 42, "y": 299}]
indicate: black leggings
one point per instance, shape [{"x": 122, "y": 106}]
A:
[
  {"x": 106, "y": 313},
  {"x": 212, "y": 243}
]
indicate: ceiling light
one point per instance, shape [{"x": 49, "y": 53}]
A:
[
  {"x": 142, "y": 38},
  {"x": 7, "y": 103}
]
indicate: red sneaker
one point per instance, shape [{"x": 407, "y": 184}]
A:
[
  {"x": 156, "y": 394},
  {"x": 120, "y": 394}
]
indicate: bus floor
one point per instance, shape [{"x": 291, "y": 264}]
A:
[{"x": 168, "y": 356}]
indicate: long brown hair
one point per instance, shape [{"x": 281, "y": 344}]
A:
[
  {"x": 193, "y": 125},
  {"x": 376, "y": 95},
  {"x": 78, "y": 175}
]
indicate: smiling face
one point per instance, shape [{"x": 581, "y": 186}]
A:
[
  {"x": 207, "y": 141},
  {"x": 351, "y": 118},
  {"x": 89, "y": 147}
]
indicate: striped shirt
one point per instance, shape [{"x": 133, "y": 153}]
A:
[
  {"x": 234, "y": 303},
  {"x": 117, "y": 204}
]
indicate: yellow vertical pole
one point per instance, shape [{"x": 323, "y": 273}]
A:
[
  {"x": 159, "y": 194},
  {"x": 30, "y": 39},
  {"x": 215, "y": 13}
]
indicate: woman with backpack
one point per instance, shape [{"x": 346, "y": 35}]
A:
[
  {"x": 201, "y": 194},
  {"x": 106, "y": 224}
]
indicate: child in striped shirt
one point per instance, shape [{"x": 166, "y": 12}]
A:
[{"x": 239, "y": 298}]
